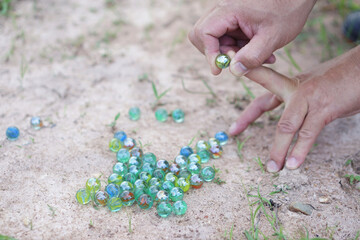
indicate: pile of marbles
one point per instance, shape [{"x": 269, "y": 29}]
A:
[{"x": 139, "y": 178}]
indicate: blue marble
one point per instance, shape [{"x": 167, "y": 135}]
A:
[
  {"x": 121, "y": 135},
  {"x": 222, "y": 137},
  {"x": 112, "y": 190},
  {"x": 12, "y": 133},
  {"x": 186, "y": 151}
]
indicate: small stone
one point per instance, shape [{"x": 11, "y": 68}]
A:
[
  {"x": 178, "y": 115},
  {"x": 324, "y": 199},
  {"x": 114, "y": 204},
  {"x": 123, "y": 155},
  {"x": 101, "y": 198},
  {"x": 186, "y": 151},
  {"x": 83, "y": 196},
  {"x": 134, "y": 113},
  {"x": 164, "y": 209},
  {"x": 180, "y": 207},
  {"x": 12, "y": 133},
  {"x": 36, "y": 123},
  {"x": 112, "y": 190},
  {"x": 161, "y": 115},
  {"x": 93, "y": 185},
  {"x": 208, "y": 174},
  {"x": 222, "y": 137},
  {"x": 222, "y": 61},
  {"x": 301, "y": 207},
  {"x": 121, "y": 135},
  {"x": 145, "y": 201},
  {"x": 115, "y": 145},
  {"x": 176, "y": 194}
]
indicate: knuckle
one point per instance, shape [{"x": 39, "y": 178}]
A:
[
  {"x": 306, "y": 134},
  {"x": 253, "y": 60},
  {"x": 286, "y": 126},
  {"x": 277, "y": 156}
]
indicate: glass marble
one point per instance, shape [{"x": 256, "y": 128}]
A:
[
  {"x": 208, "y": 174},
  {"x": 202, "y": 145},
  {"x": 93, "y": 185},
  {"x": 126, "y": 186},
  {"x": 179, "y": 207},
  {"x": 115, "y": 179},
  {"x": 146, "y": 167},
  {"x": 138, "y": 193},
  {"x": 194, "y": 158},
  {"x": 129, "y": 143},
  {"x": 136, "y": 152},
  {"x": 12, "y": 133},
  {"x": 130, "y": 177},
  {"x": 164, "y": 209},
  {"x": 153, "y": 190},
  {"x": 115, "y": 145},
  {"x": 149, "y": 158},
  {"x": 161, "y": 115},
  {"x": 101, "y": 198},
  {"x": 134, "y": 113},
  {"x": 170, "y": 177},
  {"x": 181, "y": 160},
  {"x": 213, "y": 142},
  {"x": 204, "y": 156},
  {"x": 184, "y": 173},
  {"x": 196, "y": 181},
  {"x": 186, "y": 151},
  {"x": 222, "y": 61},
  {"x": 163, "y": 165},
  {"x": 114, "y": 204},
  {"x": 145, "y": 201},
  {"x": 135, "y": 161},
  {"x": 176, "y": 194},
  {"x": 83, "y": 196},
  {"x": 162, "y": 196},
  {"x": 134, "y": 170},
  {"x": 183, "y": 183},
  {"x": 139, "y": 184},
  {"x": 154, "y": 181},
  {"x": 216, "y": 152},
  {"x": 127, "y": 198},
  {"x": 36, "y": 123},
  {"x": 194, "y": 168},
  {"x": 159, "y": 173},
  {"x": 112, "y": 190},
  {"x": 145, "y": 176},
  {"x": 222, "y": 137},
  {"x": 178, "y": 115},
  {"x": 121, "y": 135},
  {"x": 120, "y": 168},
  {"x": 123, "y": 155},
  {"x": 167, "y": 186},
  {"x": 174, "y": 168}
]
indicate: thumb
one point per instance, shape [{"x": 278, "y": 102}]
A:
[{"x": 252, "y": 55}]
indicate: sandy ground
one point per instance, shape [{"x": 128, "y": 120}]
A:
[{"x": 84, "y": 59}]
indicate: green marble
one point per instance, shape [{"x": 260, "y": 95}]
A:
[
  {"x": 139, "y": 184},
  {"x": 181, "y": 160},
  {"x": 127, "y": 198},
  {"x": 184, "y": 173},
  {"x": 146, "y": 167},
  {"x": 92, "y": 185},
  {"x": 154, "y": 181},
  {"x": 161, "y": 115},
  {"x": 130, "y": 177},
  {"x": 136, "y": 152},
  {"x": 179, "y": 207},
  {"x": 194, "y": 158},
  {"x": 134, "y": 170},
  {"x": 213, "y": 142},
  {"x": 145, "y": 176},
  {"x": 183, "y": 183},
  {"x": 138, "y": 193},
  {"x": 164, "y": 209},
  {"x": 120, "y": 168},
  {"x": 222, "y": 61},
  {"x": 115, "y": 179},
  {"x": 167, "y": 186},
  {"x": 194, "y": 168},
  {"x": 145, "y": 201},
  {"x": 101, "y": 198},
  {"x": 170, "y": 177},
  {"x": 162, "y": 196},
  {"x": 115, "y": 145},
  {"x": 176, "y": 194},
  {"x": 216, "y": 152},
  {"x": 149, "y": 158},
  {"x": 82, "y": 196},
  {"x": 163, "y": 165},
  {"x": 178, "y": 115},
  {"x": 123, "y": 155},
  {"x": 114, "y": 204},
  {"x": 129, "y": 143},
  {"x": 134, "y": 113},
  {"x": 153, "y": 190},
  {"x": 175, "y": 168},
  {"x": 135, "y": 161},
  {"x": 159, "y": 173},
  {"x": 202, "y": 145},
  {"x": 126, "y": 186},
  {"x": 208, "y": 174},
  {"x": 36, "y": 123},
  {"x": 196, "y": 181}
]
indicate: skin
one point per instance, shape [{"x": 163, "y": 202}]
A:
[
  {"x": 253, "y": 31},
  {"x": 312, "y": 100}
]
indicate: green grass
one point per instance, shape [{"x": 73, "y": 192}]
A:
[
  {"x": 247, "y": 89},
  {"x": 3, "y": 237},
  {"x": 229, "y": 235},
  {"x": 291, "y": 59},
  {"x": 261, "y": 165},
  {"x": 52, "y": 210},
  {"x": 5, "y": 6},
  {"x": 352, "y": 178},
  {"x": 196, "y": 92},
  {"x": 240, "y": 146},
  {"x": 113, "y": 123},
  {"x": 157, "y": 95}
]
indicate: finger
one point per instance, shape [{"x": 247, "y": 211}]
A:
[
  {"x": 252, "y": 55},
  {"x": 271, "y": 59},
  {"x": 227, "y": 41},
  {"x": 289, "y": 123},
  {"x": 273, "y": 81},
  {"x": 307, "y": 135},
  {"x": 262, "y": 104},
  {"x": 226, "y": 49}
]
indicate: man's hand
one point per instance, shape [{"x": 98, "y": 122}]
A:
[
  {"x": 253, "y": 29},
  {"x": 311, "y": 100}
]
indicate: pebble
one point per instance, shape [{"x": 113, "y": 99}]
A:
[{"x": 304, "y": 208}]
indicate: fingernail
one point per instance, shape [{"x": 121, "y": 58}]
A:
[
  {"x": 238, "y": 69},
  {"x": 292, "y": 163},
  {"x": 232, "y": 128},
  {"x": 271, "y": 166}
]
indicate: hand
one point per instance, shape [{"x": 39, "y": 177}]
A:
[
  {"x": 253, "y": 29},
  {"x": 311, "y": 100}
]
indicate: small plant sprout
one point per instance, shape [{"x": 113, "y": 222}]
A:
[
  {"x": 158, "y": 96},
  {"x": 195, "y": 92},
  {"x": 240, "y": 146},
  {"x": 352, "y": 178},
  {"x": 113, "y": 123},
  {"x": 261, "y": 165}
]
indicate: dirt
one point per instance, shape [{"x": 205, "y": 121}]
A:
[{"x": 83, "y": 60}]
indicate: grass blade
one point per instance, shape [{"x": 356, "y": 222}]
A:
[{"x": 292, "y": 60}]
